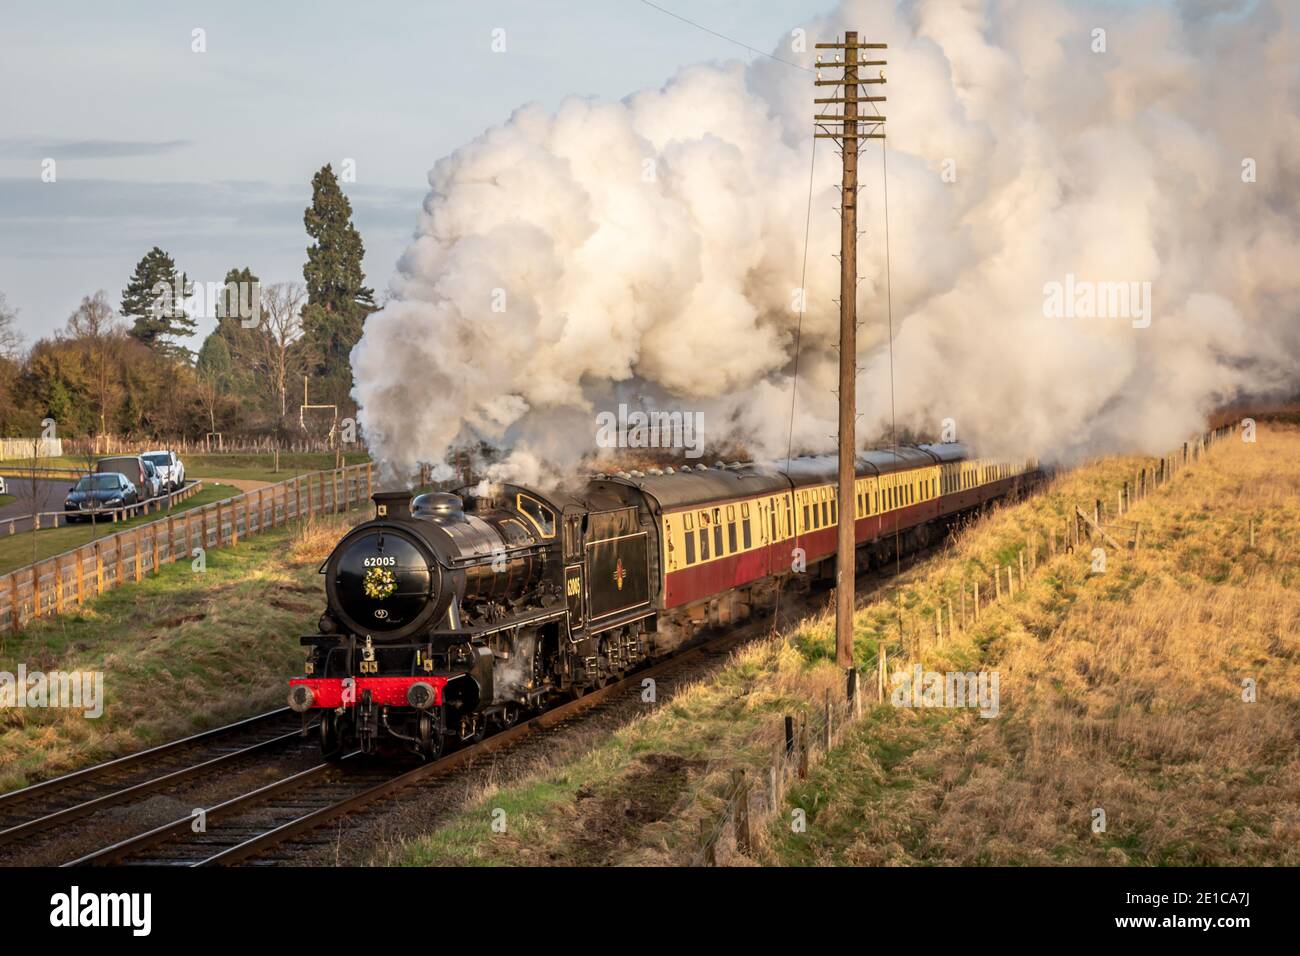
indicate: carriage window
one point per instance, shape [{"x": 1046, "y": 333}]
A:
[
  {"x": 807, "y": 520},
  {"x": 825, "y": 513},
  {"x": 689, "y": 520},
  {"x": 717, "y": 539},
  {"x": 542, "y": 517},
  {"x": 704, "y": 544},
  {"x": 731, "y": 535},
  {"x": 745, "y": 535},
  {"x": 690, "y": 547}
]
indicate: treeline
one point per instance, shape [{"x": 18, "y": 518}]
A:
[{"x": 128, "y": 369}]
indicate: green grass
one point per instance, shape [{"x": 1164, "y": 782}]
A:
[
  {"x": 257, "y": 467},
  {"x": 638, "y": 795},
  {"x": 7, "y": 500},
  {"x": 180, "y": 651},
  {"x": 16, "y": 550}
]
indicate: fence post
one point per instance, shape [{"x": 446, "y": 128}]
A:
[
  {"x": 14, "y": 606},
  {"x": 706, "y": 845},
  {"x": 81, "y": 576},
  {"x": 99, "y": 570},
  {"x": 153, "y": 542},
  {"x": 58, "y": 587},
  {"x": 135, "y": 540},
  {"x": 744, "y": 842},
  {"x": 36, "y": 590}
]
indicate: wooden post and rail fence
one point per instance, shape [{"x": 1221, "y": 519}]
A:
[{"x": 56, "y": 584}]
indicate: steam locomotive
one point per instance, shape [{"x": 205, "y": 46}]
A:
[{"x": 450, "y": 615}]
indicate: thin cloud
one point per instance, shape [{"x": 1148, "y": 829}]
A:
[{"x": 87, "y": 148}]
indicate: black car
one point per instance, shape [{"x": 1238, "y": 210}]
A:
[{"x": 99, "y": 493}]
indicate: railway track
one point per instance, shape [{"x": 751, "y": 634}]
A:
[
  {"x": 250, "y": 825},
  {"x": 53, "y": 803}
]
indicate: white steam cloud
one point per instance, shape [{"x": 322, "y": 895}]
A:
[{"x": 649, "y": 251}]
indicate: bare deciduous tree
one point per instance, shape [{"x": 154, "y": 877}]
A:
[
  {"x": 11, "y": 342},
  {"x": 96, "y": 322},
  {"x": 280, "y": 328}
]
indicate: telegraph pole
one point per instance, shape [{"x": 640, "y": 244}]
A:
[{"x": 843, "y": 127}]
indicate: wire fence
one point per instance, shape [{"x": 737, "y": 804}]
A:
[{"x": 753, "y": 795}]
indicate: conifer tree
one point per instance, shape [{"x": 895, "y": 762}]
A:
[
  {"x": 154, "y": 300},
  {"x": 337, "y": 298}
]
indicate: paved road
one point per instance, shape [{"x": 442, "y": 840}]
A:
[
  {"x": 50, "y": 494},
  {"x": 49, "y": 497}
]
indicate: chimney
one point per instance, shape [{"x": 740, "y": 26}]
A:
[{"x": 392, "y": 504}]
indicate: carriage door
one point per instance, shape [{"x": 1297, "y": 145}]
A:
[{"x": 573, "y": 583}]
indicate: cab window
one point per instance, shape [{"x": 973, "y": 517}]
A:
[{"x": 542, "y": 517}]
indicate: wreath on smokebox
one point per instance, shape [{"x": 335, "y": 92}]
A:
[{"x": 379, "y": 583}]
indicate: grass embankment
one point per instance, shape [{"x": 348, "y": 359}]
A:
[
  {"x": 180, "y": 652},
  {"x": 17, "y": 550},
  {"x": 258, "y": 466},
  {"x": 1120, "y": 691}
]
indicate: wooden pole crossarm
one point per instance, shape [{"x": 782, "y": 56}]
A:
[
  {"x": 841, "y": 82},
  {"x": 855, "y": 46}
]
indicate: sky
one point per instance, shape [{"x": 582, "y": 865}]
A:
[{"x": 210, "y": 154}]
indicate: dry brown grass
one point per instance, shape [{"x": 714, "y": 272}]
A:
[
  {"x": 180, "y": 651},
  {"x": 1119, "y": 691}
]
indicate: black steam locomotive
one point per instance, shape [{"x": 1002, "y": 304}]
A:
[{"x": 452, "y": 614}]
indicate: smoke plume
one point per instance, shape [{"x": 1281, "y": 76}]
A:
[{"x": 649, "y": 251}]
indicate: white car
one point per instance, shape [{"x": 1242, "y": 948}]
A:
[
  {"x": 170, "y": 468},
  {"x": 3, "y": 490}
]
